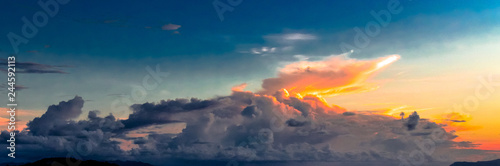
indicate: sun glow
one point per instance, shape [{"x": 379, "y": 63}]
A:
[{"x": 388, "y": 61}]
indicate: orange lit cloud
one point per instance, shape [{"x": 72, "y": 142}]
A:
[
  {"x": 335, "y": 75},
  {"x": 239, "y": 88},
  {"x": 456, "y": 121},
  {"x": 4, "y": 121}
]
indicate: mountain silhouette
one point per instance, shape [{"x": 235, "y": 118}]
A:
[
  {"x": 479, "y": 163},
  {"x": 63, "y": 162}
]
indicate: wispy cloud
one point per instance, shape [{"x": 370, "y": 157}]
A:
[
  {"x": 290, "y": 37},
  {"x": 36, "y": 68},
  {"x": 170, "y": 27}
]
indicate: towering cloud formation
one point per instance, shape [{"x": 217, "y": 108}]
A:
[{"x": 335, "y": 75}]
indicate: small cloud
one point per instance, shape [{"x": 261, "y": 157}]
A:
[
  {"x": 301, "y": 57},
  {"x": 298, "y": 36},
  {"x": 348, "y": 113},
  {"x": 31, "y": 67},
  {"x": 412, "y": 121},
  {"x": 239, "y": 88},
  {"x": 466, "y": 144},
  {"x": 296, "y": 123},
  {"x": 290, "y": 37},
  {"x": 263, "y": 50},
  {"x": 169, "y": 27},
  {"x": 4, "y": 86}
]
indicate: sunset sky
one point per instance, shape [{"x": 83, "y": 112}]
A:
[{"x": 439, "y": 58}]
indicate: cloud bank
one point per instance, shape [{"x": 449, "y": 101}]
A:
[{"x": 246, "y": 126}]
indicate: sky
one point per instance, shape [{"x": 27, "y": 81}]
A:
[{"x": 345, "y": 65}]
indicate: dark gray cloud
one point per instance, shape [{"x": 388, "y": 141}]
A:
[
  {"x": 250, "y": 112},
  {"x": 466, "y": 144},
  {"x": 296, "y": 123},
  {"x": 412, "y": 121},
  {"x": 36, "y": 68},
  {"x": 4, "y": 86},
  {"x": 56, "y": 115},
  {"x": 348, "y": 113},
  {"x": 150, "y": 113}
]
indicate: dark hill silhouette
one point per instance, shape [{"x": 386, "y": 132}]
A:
[
  {"x": 479, "y": 163},
  {"x": 62, "y": 161}
]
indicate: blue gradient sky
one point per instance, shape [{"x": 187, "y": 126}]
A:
[{"x": 109, "y": 44}]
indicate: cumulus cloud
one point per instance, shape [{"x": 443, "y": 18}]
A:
[
  {"x": 56, "y": 115},
  {"x": 412, "y": 121}
]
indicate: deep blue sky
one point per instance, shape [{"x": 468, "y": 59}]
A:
[{"x": 110, "y": 42}]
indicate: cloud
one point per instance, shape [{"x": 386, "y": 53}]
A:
[
  {"x": 412, "y": 121},
  {"x": 240, "y": 87},
  {"x": 298, "y": 36},
  {"x": 334, "y": 75},
  {"x": 296, "y": 123},
  {"x": 56, "y": 115},
  {"x": 348, "y": 113},
  {"x": 4, "y": 86},
  {"x": 243, "y": 126},
  {"x": 263, "y": 50},
  {"x": 37, "y": 68},
  {"x": 456, "y": 121},
  {"x": 290, "y": 37},
  {"x": 170, "y": 27},
  {"x": 150, "y": 113}
]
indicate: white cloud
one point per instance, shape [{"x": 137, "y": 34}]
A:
[
  {"x": 288, "y": 38},
  {"x": 263, "y": 50},
  {"x": 298, "y": 36}
]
